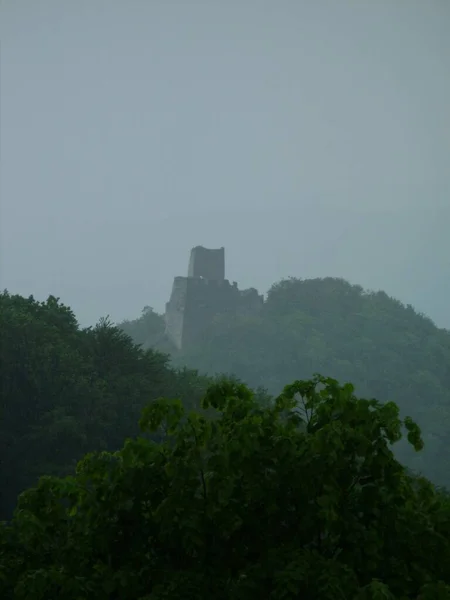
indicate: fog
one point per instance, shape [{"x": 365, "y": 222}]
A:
[{"x": 308, "y": 138}]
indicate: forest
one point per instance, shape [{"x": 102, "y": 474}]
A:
[
  {"x": 387, "y": 350},
  {"x": 233, "y": 470}
]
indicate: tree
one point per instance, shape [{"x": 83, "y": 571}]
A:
[
  {"x": 302, "y": 498},
  {"x": 66, "y": 391},
  {"x": 149, "y": 331},
  {"x": 327, "y": 325}
]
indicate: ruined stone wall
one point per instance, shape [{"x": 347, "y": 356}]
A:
[
  {"x": 196, "y": 301},
  {"x": 175, "y": 310},
  {"x": 250, "y": 301}
]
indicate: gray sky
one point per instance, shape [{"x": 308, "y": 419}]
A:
[{"x": 309, "y": 138}]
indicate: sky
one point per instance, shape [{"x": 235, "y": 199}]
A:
[{"x": 309, "y": 139}]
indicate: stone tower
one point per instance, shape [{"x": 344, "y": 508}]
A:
[
  {"x": 205, "y": 293},
  {"x": 209, "y": 264}
]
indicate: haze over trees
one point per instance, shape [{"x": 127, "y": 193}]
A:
[
  {"x": 308, "y": 138},
  {"x": 140, "y": 478},
  {"x": 386, "y": 349}
]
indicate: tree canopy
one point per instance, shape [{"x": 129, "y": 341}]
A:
[
  {"x": 221, "y": 489},
  {"x": 385, "y": 348},
  {"x": 300, "y": 499},
  {"x": 66, "y": 391}
]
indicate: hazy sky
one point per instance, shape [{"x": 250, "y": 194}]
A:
[{"x": 308, "y": 137}]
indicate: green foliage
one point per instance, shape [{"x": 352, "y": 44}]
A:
[
  {"x": 221, "y": 491},
  {"x": 66, "y": 391},
  {"x": 302, "y": 498},
  {"x": 148, "y": 331},
  {"x": 327, "y": 325}
]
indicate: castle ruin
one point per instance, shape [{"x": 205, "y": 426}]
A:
[{"x": 205, "y": 293}]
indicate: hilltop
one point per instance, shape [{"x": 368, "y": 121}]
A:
[{"x": 388, "y": 350}]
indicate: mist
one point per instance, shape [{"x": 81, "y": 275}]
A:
[{"x": 308, "y": 138}]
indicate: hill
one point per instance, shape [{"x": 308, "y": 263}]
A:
[{"x": 387, "y": 349}]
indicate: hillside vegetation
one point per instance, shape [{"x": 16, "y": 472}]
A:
[
  {"x": 385, "y": 348},
  {"x": 299, "y": 499},
  {"x": 66, "y": 391},
  {"x": 143, "y": 481}
]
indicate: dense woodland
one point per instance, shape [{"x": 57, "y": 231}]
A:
[
  {"x": 131, "y": 471},
  {"x": 387, "y": 350}
]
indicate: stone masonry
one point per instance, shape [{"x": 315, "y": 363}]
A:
[{"x": 202, "y": 295}]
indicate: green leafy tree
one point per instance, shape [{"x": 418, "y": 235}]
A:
[
  {"x": 327, "y": 325},
  {"x": 302, "y": 498},
  {"x": 149, "y": 331},
  {"x": 66, "y": 391}
]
